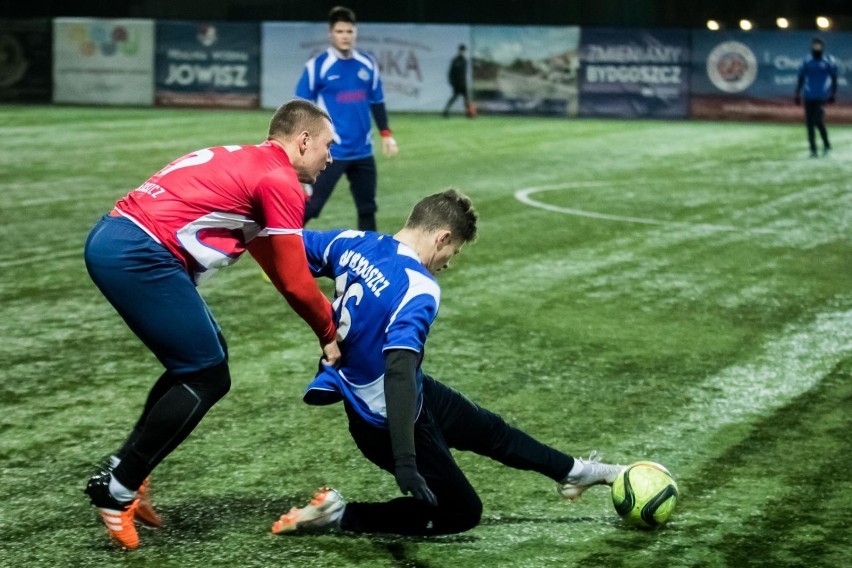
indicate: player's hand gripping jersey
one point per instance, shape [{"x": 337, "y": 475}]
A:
[
  {"x": 345, "y": 88},
  {"x": 206, "y": 206},
  {"x": 385, "y": 299}
]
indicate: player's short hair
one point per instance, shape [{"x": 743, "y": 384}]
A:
[
  {"x": 818, "y": 40},
  {"x": 340, "y": 14},
  {"x": 462, "y": 47},
  {"x": 448, "y": 209},
  {"x": 296, "y": 116}
]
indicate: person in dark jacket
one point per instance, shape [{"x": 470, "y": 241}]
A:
[
  {"x": 457, "y": 77},
  {"x": 818, "y": 83}
]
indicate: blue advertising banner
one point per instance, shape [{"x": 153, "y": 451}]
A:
[
  {"x": 634, "y": 73},
  {"x": 208, "y": 64},
  {"x": 526, "y": 70},
  {"x": 25, "y": 60},
  {"x": 752, "y": 75}
]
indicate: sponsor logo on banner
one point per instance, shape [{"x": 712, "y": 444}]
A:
[
  {"x": 633, "y": 73},
  {"x": 25, "y": 60},
  {"x": 207, "y": 35},
  {"x": 207, "y": 64},
  {"x": 13, "y": 63},
  {"x": 103, "y": 61},
  {"x": 104, "y": 39},
  {"x": 732, "y": 67},
  {"x": 413, "y": 60}
]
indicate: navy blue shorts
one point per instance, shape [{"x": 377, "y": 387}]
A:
[{"x": 152, "y": 291}]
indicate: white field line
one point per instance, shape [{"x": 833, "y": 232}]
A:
[
  {"x": 44, "y": 258},
  {"x": 790, "y": 363},
  {"x": 524, "y": 196}
]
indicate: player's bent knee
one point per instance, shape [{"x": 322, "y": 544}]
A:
[{"x": 211, "y": 383}]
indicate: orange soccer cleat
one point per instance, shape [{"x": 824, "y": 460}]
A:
[
  {"x": 118, "y": 517},
  {"x": 322, "y": 513},
  {"x": 145, "y": 512}
]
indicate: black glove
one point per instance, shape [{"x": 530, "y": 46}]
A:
[
  {"x": 831, "y": 99},
  {"x": 797, "y": 100},
  {"x": 410, "y": 481}
]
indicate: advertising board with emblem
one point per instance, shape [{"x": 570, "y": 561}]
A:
[
  {"x": 753, "y": 75},
  {"x": 25, "y": 60},
  {"x": 208, "y": 64},
  {"x": 100, "y": 61}
]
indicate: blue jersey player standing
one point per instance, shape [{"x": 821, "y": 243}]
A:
[
  {"x": 346, "y": 83},
  {"x": 818, "y": 81},
  {"x": 401, "y": 419}
]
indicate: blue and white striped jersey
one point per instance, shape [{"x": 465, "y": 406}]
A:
[
  {"x": 345, "y": 89},
  {"x": 385, "y": 299}
]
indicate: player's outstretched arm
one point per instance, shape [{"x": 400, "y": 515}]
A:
[
  {"x": 283, "y": 259},
  {"x": 401, "y": 400}
]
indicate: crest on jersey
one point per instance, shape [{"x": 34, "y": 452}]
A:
[
  {"x": 363, "y": 74},
  {"x": 732, "y": 67}
]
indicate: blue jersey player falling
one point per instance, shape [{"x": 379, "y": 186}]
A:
[
  {"x": 347, "y": 84},
  {"x": 401, "y": 419}
]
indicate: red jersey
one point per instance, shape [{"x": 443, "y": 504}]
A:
[{"x": 206, "y": 206}]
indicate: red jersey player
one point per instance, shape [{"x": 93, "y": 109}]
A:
[{"x": 199, "y": 213}]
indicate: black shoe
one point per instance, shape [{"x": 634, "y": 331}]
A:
[
  {"x": 118, "y": 517},
  {"x": 98, "y": 491}
]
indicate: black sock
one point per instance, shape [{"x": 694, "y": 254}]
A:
[{"x": 173, "y": 416}]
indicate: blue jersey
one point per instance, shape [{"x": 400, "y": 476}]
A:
[
  {"x": 384, "y": 299},
  {"x": 818, "y": 75},
  {"x": 345, "y": 89}
]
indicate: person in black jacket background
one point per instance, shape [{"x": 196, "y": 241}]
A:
[{"x": 457, "y": 77}]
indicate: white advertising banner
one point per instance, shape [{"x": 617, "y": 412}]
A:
[
  {"x": 414, "y": 60},
  {"x": 107, "y": 62}
]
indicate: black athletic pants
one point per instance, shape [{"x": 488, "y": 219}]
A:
[
  {"x": 815, "y": 119},
  {"x": 457, "y": 92},
  {"x": 362, "y": 183},
  {"x": 448, "y": 420}
]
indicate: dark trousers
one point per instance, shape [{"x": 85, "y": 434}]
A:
[
  {"x": 448, "y": 420},
  {"x": 815, "y": 120},
  {"x": 457, "y": 92},
  {"x": 362, "y": 178},
  {"x": 155, "y": 295}
]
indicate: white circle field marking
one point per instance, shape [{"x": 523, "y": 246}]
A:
[{"x": 525, "y": 196}]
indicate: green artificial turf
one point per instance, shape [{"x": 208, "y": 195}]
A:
[{"x": 711, "y": 331}]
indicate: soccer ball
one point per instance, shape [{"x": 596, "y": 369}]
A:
[{"x": 644, "y": 494}]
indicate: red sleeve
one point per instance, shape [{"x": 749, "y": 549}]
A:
[
  {"x": 283, "y": 259},
  {"x": 282, "y": 200}
]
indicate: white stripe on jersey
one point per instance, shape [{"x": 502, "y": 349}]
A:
[
  {"x": 310, "y": 68},
  {"x": 321, "y": 103},
  {"x": 274, "y": 231},
  {"x": 418, "y": 284},
  {"x": 365, "y": 59},
  {"x": 329, "y": 61},
  {"x": 350, "y": 234}
]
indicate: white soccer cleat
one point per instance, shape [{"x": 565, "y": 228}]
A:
[
  {"x": 322, "y": 513},
  {"x": 594, "y": 473}
]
